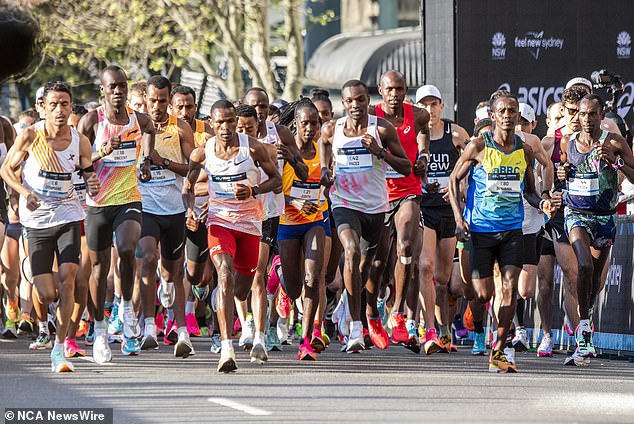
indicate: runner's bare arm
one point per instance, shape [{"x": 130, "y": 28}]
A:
[
  {"x": 294, "y": 158},
  {"x": 11, "y": 167},
  {"x": 622, "y": 149},
  {"x": 463, "y": 165},
  {"x": 186, "y": 136},
  {"x": 543, "y": 159},
  {"x": 325, "y": 152},
  {"x": 86, "y": 166},
  {"x": 86, "y": 126},
  {"x": 530, "y": 194},
  {"x": 262, "y": 158},
  {"x": 395, "y": 155},
  {"x": 196, "y": 161},
  {"x": 460, "y": 136}
]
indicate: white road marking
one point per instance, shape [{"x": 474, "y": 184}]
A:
[{"x": 239, "y": 406}]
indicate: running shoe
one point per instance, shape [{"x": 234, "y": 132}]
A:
[
  {"x": 577, "y": 359},
  {"x": 467, "y": 319},
  {"x": 246, "y": 338},
  {"x": 325, "y": 337},
  {"x": 585, "y": 347},
  {"x": 171, "y": 333},
  {"x": 115, "y": 325},
  {"x": 432, "y": 342},
  {"x": 10, "y": 330},
  {"x": 130, "y": 346},
  {"x": 272, "y": 340},
  {"x": 166, "y": 294},
  {"x": 499, "y": 363},
  {"x": 59, "y": 363},
  {"x": 25, "y": 326},
  {"x": 378, "y": 335},
  {"x": 459, "y": 329},
  {"x": 101, "y": 352},
  {"x": 227, "y": 362},
  {"x": 306, "y": 351},
  {"x": 317, "y": 342},
  {"x": 159, "y": 321},
  {"x": 90, "y": 336},
  {"x": 42, "y": 342},
  {"x": 520, "y": 341},
  {"x": 422, "y": 334},
  {"x": 385, "y": 317},
  {"x": 200, "y": 292},
  {"x": 216, "y": 346},
  {"x": 82, "y": 329},
  {"x": 149, "y": 340},
  {"x": 509, "y": 352},
  {"x": 258, "y": 354},
  {"x": 399, "y": 329},
  {"x": 297, "y": 331},
  {"x": 546, "y": 346},
  {"x": 273, "y": 281},
  {"x": 283, "y": 306},
  {"x": 192, "y": 325},
  {"x": 184, "y": 347},
  {"x": 367, "y": 340},
  {"x": 131, "y": 328},
  {"x": 568, "y": 328},
  {"x": 12, "y": 310},
  {"x": 448, "y": 346},
  {"x": 355, "y": 345},
  {"x": 71, "y": 350},
  {"x": 282, "y": 331},
  {"x": 479, "y": 345}
]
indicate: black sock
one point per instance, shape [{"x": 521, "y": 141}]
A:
[
  {"x": 477, "y": 327},
  {"x": 521, "y": 305}
]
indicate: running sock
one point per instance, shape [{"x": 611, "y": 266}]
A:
[
  {"x": 190, "y": 307},
  {"x": 521, "y": 306},
  {"x": 170, "y": 314},
  {"x": 227, "y": 347},
  {"x": 444, "y": 330},
  {"x": 477, "y": 327},
  {"x": 128, "y": 306},
  {"x": 356, "y": 329},
  {"x": 258, "y": 338},
  {"x": 43, "y": 327},
  {"x": 101, "y": 327},
  {"x": 584, "y": 324},
  {"x": 148, "y": 322},
  {"x": 182, "y": 333},
  {"x": 58, "y": 347}
]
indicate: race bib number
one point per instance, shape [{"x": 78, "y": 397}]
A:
[
  {"x": 305, "y": 191},
  {"x": 391, "y": 173},
  {"x": 80, "y": 192},
  {"x": 53, "y": 184},
  {"x": 161, "y": 176},
  {"x": 223, "y": 185},
  {"x": 583, "y": 184},
  {"x": 125, "y": 155},
  {"x": 354, "y": 159},
  {"x": 438, "y": 177},
  {"x": 504, "y": 183}
]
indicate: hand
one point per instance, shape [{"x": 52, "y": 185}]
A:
[
  {"x": 432, "y": 187},
  {"x": 370, "y": 143},
  {"x": 548, "y": 208},
  {"x": 463, "y": 233},
  {"x": 420, "y": 166},
  {"x": 32, "y": 201},
  {"x": 92, "y": 185},
  {"x": 326, "y": 177},
  {"x": 445, "y": 196},
  {"x": 191, "y": 222},
  {"x": 562, "y": 171},
  {"x": 112, "y": 144},
  {"x": 605, "y": 153},
  {"x": 556, "y": 199},
  {"x": 241, "y": 191},
  {"x": 305, "y": 206},
  {"x": 202, "y": 217},
  {"x": 284, "y": 152},
  {"x": 145, "y": 173}
]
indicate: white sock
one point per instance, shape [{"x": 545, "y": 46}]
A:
[
  {"x": 356, "y": 329},
  {"x": 182, "y": 333},
  {"x": 43, "y": 327},
  {"x": 190, "y": 307},
  {"x": 100, "y": 327},
  {"x": 149, "y": 322},
  {"x": 258, "y": 338},
  {"x": 410, "y": 323},
  {"x": 128, "y": 306},
  {"x": 59, "y": 347},
  {"x": 227, "y": 348}
]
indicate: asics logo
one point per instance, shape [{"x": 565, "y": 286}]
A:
[{"x": 406, "y": 130}]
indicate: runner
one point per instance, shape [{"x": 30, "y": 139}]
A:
[
  {"x": 360, "y": 142},
  {"x": 163, "y": 220},
  {"x": 493, "y": 215},
  {"x": 235, "y": 214},
  {"x": 439, "y": 242},
  {"x": 118, "y": 135},
  {"x": 136, "y": 99},
  {"x": 592, "y": 158},
  {"x": 403, "y": 219},
  {"x": 49, "y": 209}
]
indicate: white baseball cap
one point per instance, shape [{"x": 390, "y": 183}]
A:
[
  {"x": 482, "y": 113},
  {"x": 579, "y": 80},
  {"x": 427, "y": 91},
  {"x": 527, "y": 112},
  {"x": 39, "y": 94}
]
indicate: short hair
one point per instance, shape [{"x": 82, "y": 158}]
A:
[
  {"x": 594, "y": 97},
  {"x": 246, "y": 111},
  {"x": 111, "y": 68},
  {"x": 573, "y": 95},
  {"x": 30, "y": 113},
  {"x": 57, "y": 86},
  {"x": 354, "y": 83},
  {"x": 260, "y": 89},
  {"x": 222, "y": 104},
  {"x": 486, "y": 122},
  {"x": 184, "y": 90},
  {"x": 501, "y": 94},
  {"x": 79, "y": 110},
  {"x": 139, "y": 88},
  {"x": 160, "y": 82}
]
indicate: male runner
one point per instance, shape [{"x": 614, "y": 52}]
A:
[
  {"x": 39, "y": 167},
  {"x": 136, "y": 98},
  {"x": 118, "y": 135},
  {"x": 235, "y": 214},
  {"x": 164, "y": 214},
  {"x": 361, "y": 144}
]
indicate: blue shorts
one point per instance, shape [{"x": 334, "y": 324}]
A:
[
  {"x": 600, "y": 228},
  {"x": 286, "y": 232}
]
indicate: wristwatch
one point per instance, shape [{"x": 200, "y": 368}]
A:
[
  {"x": 255, "y": 190},
  {"x": 618, "y": 164},
  {"x": 148, "y": 158},
  {"x": 166, "y": 163}
]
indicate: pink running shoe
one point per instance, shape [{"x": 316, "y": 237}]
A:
[
  {"x": 283, "y": 306},
  {"x": 159, "y": 321},
  {"x": 306, "y": 351},
  {"x": 71, "y": 350},
  {"x": 274, "y": 280},
  {"x": 171, "y": 333},
  {"x": 192, "y": 325}
]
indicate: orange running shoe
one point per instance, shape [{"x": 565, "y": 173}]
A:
[
  {"x": 448, "y": 346},
  {"x": 378, "y": 335},
  {"x": 317, "y": 343},
  {"x": 432, "y": 342},
  {"x": 467, "y": 319},
  {"x": 399, "y": 329},
  {"x": 306, "y": 352},
  {"x": 82, "y": 330}
]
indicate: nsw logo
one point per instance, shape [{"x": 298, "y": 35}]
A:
[
  {"x": 498, "y": 49},
  {"x": 623, "y": 45}
]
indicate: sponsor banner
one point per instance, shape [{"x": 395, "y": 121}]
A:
[{"x": 533, "y": 50}]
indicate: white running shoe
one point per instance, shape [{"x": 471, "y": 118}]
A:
[
  {"x": 246, "y": 338},
  {"x": 131, "y": 328},
  {"x": 166, "y": 294},
  {"x": 184, "y": 347},
  {"x": 258, "y": 354},
  {"x": 520, "y": 341},
  {"x": 101, "y": 352},
  {"x": 150, "y": 340},
  {"x": 216, "y": 346},
  {"x": 546, "y": 346},
  {"x": 509, "y": 352}
]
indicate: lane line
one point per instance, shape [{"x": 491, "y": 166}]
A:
[{"x": 251, "y": 410}]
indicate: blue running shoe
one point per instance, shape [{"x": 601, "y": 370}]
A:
[
  {"x": 380, "y": 305},
  {"x": 130, "y": 347},
  {"x": 479, "y": 345},
  {"x": 200, "y": 292}
]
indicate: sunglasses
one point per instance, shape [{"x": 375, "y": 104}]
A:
[{"x": 571, "y": 111}]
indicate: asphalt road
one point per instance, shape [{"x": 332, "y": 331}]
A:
[{"x": 373, "y": 386}]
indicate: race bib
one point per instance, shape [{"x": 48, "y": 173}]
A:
[
  {"x": 125, "y": 155},
  {"x": 442, "y": 178},
  {"x": 223, "y": 185},
  {"x": 354, "y": 159},
  {"x": 53, "y": 184},
  {"x": 391, "y": 173},
  {"x": 80, "y": 192},
  {"x": 161, "y": 176},
  {"x": 504, "y": 183},
  {"x": 583, "y": 184},
  {"x": 305, "y": 191}
]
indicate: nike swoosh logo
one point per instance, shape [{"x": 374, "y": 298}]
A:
[
  {"x": 238, "y": 163},
  {"x": 406, "y": 130}
]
